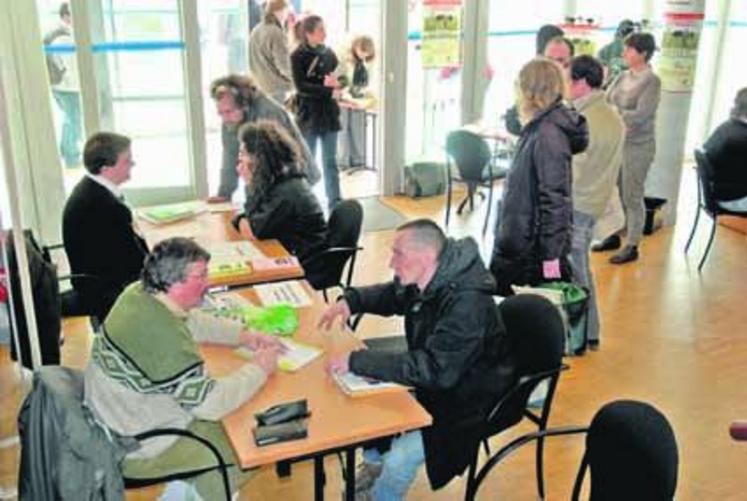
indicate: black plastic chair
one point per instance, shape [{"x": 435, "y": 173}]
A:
[
  {"x": 707, "y": 202},
  {"x": 72, "y": 304},
  {"x": 631, "y": 452},
  {"x": 325, "y": 269},
  {"x": 59, "y": 391},
  {"x": 472, "y": 156},
  {"x": 536, "y": 334}
]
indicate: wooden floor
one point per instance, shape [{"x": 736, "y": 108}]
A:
[{"x": 671, "y": 336}]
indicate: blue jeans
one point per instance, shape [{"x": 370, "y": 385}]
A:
[
  {"x": 69, "y": 103},
  {"x": 401, "y": 464},
  {"x": 583, "y": 232},
  {"x": 329, "y": 161}
]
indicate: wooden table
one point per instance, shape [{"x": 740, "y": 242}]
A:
[
  {"x": 337, "y": 422},
  {"x": 210, "y": 228}
]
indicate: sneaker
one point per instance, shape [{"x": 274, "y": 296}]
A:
[
  {"x": 593, "y": 344},
  {"x": 610, "y": 243},
  {"x": 366, "y": 476},
  {"x": 627, "y": 255}
]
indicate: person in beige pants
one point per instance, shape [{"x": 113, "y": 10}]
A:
[{"x": 636, "y": 94}]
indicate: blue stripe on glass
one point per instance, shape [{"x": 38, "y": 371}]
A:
[{"x": 121, "y": 46}]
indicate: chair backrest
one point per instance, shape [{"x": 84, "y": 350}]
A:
[
  {"x": 325, "y": 269},
  {"x": 536, "y": 335},
  {"x": 344, "y": 227},
  {"x": 632, "y": 453},
  {"x": 47, "y": 303},
  {"x": 705, "y": 180},
  {"x": 536, "y": 331},
  {"x": 470, "y": 152}
]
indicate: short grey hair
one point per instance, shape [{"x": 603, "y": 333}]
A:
[
  {"x": 425, "y": 233},
  {"x": 168, "y": 262},
  {"x": 740, "y": 104}
]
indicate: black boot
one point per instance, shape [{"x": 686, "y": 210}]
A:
[
  {"x": 628, "y": 254},
  {"x": 612, "y": 242}
]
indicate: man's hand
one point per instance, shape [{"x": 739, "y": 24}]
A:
[
  {"x": 245, "y": 229},
  {"x": 341, "y": 309},
  {"x": 267, "y": 360},
  {"x": 339, "y": 364},
  {"x": 551, "y": 269},
  {"x": 257, "y": 341}
]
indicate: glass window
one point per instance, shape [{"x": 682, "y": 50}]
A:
[
  {"x": 139, "y": 71},
  {"x": 224, "y": 35},
  {"x": 733, "y": 76},
  {"x": 433, "y": 96},
  {"x": 706, "y": 66},
  {"x": 511, "y": 44}
]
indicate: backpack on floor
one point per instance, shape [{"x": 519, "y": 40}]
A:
[{"x": 425, "y": 179}]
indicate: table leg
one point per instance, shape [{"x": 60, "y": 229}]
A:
[
  {"x": 319, "y": 478},
  {"x": 350, "y": 474}
]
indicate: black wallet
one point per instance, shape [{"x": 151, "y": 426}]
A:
[
  {"x": 282, "y": 413},
  {"x": 276, "y": 433}
]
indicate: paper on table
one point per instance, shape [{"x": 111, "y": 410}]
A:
[
  {"x": 163, "y": 214},
  {"x": 290, "y": 292},
  {"x": 297, "y": 355},
  {"x": 233, "y": 251},
  {"x": 359, "y": 386}
]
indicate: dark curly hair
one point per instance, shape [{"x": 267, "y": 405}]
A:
[{"x": 276, "y": 155}]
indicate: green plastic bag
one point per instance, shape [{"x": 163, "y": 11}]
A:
[
  {"x": 281, "y": 319},
  {"x": 575, "y": 309}
]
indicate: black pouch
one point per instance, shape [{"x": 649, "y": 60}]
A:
[
  {"x": 282, "y": 413},
  {"x": 276, "y": 433}
]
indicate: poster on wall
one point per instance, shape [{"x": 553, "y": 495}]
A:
[
  {"x": 442, "y": 27},
  {"x": 679, "y": 45}
]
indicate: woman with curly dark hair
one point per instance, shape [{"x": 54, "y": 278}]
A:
[{"x": 282, "y": 205}]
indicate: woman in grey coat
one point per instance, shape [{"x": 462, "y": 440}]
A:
[
  {"x": 635, "y": 93},
  {"x": 269, "y": 54}
]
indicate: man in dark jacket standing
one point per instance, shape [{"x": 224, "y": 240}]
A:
[{"x": 457, "y": 359}]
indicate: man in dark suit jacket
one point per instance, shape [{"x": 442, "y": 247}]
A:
[{"x": 97, "y": 226}]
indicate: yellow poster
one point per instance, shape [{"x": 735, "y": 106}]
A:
[{"x": 442, "y": 31}]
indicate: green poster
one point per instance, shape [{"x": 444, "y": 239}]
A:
[{"x": 442, "y": 26}]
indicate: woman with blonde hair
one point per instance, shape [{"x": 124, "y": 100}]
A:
[{"x": 534, "y": 223}]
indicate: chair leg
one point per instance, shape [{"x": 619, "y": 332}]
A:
[
  {"x": 448, "y": 195},
  {"x": 708, "y": 246},
  {"x": 540, "y": 472},
  {"x": 692, "y": 232},
  {"x": 324, "y": 294},
  {"x": 469, "y": 493},
  {"x": 487, "y": 210},
  {"x": 486, "y": 446}
]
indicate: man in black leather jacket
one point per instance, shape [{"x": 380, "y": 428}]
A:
[{"x": 458, "y": 358}]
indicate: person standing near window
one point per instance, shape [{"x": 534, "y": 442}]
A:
[
  {"x": 269, "y": 59},
  {"x": 635, "y": 93},
  {"x": 63, "y": 76},
  {"x": 354, "y": 68},
  {"x": 318, "y": 115}
]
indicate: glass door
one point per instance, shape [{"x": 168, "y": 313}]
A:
[
  {"x": 133, "y": 66},
  {"x": 433, "y": 95}
]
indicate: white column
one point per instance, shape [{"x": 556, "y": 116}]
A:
[
  {"x": 676, "y": 95},
  {"x": 393, "y": 105},
  {"x": 195, "y": 105},
  {"x": 30, "y": 122}
]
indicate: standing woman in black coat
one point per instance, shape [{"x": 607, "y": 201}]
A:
[
  {"x": 533, "y": 232},
  {"x": 318, "y": 115}
]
